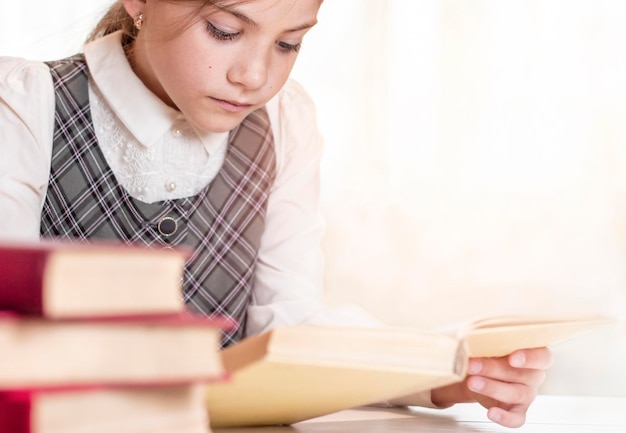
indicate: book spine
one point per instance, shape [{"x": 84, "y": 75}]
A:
[
  {"x": 21, "y": 281},
  {"x": 15, "y": 414}
]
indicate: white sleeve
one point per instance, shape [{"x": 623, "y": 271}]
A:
[
  {"x": 26, "y": 128},
  {"x": 289, "y": 276}
]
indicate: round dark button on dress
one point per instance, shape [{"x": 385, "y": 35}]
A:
[{"x": 167, "y": 226}]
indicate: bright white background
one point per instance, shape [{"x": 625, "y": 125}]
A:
[{"x": 475, "y": 157}]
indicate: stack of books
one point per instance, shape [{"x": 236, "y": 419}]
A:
[{"x": 95, "y": 337}]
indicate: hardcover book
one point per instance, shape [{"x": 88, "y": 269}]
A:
[
  {"x": 157, "y": 409},
  {"x": 295, "y": 373},
  {"x": 165, "y": 349},
  {"x": 55, "y": 279}
]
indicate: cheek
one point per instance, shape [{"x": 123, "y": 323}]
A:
[
  {"x": 279, "y": 76},
  {"x": 167, "y": 59},
  {"x": 185, "y": 70}
]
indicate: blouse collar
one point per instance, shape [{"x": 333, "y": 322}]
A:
[{"x": 146, "y": 116}]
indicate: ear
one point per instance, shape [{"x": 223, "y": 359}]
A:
[{"x": 134, "y": 7}]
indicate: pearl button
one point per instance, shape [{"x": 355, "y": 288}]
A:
[
  {"x": 177, "y": 132},
  {"x": 170, "y": 186}
]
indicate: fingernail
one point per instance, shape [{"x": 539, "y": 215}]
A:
[
  {"x": 476, "y": 384},
  {"x": 475, "y": 366},
  {"x": 518, "y": 360}
]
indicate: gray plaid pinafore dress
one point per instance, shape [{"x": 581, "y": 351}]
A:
[{"x": 222, "y": 224}]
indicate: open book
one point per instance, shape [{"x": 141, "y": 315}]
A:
[{"x": 295, "y": 373}]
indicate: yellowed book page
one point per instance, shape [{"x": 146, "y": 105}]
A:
[
  {"x": 299, "y": 373},
  {"x": 155, "y": 409},
  {"x": 283, "y": 393},
  {"x": 501, "y": 336},
  {"x": 80, "y": 283},
  {"x": 41, "y": 353}
]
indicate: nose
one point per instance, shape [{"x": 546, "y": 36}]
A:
[{"x": 250, "y": 69}]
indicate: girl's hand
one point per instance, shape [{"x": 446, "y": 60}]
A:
[{"x": 505, "y": 386}]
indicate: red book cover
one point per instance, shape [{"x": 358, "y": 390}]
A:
[
  {"x": 141, "y": 350},
  {"x": 64, "y": 279},
  {"x": 184, "y": 318},
  {"x": 15, "y": 413},
  {"x": 36, "y": 411},
  {"x": 21, "y": 279}
]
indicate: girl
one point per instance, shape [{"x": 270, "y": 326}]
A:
[{"x": 178, "y": 125}]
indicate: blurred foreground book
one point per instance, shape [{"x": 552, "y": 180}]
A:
[
  {"x": 57, "y": 279},
  {"x": 159, "y": 409},
  {"x": 96, "y": 337},
  {"x": 133, "y": 350}
]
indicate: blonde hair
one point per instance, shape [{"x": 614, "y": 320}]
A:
[{"x": 116, "y": 18}]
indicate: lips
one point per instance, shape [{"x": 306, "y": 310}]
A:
[{"x": 232, "y": 106}]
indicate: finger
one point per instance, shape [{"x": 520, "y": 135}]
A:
[
  {"x": 451, "y": 394},
  {"x": 540, "y": 358},
  {"x": 487, "y": 402},
  {"x": 513, "y": 418},
  {"x": 506, "y": 393},
  {"x": 500, "y": 369}
]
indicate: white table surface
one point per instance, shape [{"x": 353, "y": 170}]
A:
[{"x": 549, "y": 414}]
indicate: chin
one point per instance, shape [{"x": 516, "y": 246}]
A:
[
  {"x": 221, "y": 129},
  {"x": 219, "y": 123},
  {"x": 229, "y": 124},
  {"x": 217, "y": 127}
]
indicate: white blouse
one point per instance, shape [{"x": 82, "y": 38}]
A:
[{"x": 156, "y": 155}]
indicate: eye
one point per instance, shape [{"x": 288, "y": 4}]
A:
[
  {"x": 289, "y": 48},
  {"x": 220, "y": 35}
]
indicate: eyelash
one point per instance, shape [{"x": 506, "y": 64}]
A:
[
  {"x": 221, "y": 35},
  {"x": 289, "y": 48}
]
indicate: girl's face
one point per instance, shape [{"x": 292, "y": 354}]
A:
[{"x": 227, "y": 62}]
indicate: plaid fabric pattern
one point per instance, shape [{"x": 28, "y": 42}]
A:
[{"x": 222, "y": 224}]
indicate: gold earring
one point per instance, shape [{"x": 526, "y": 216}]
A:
[{"x": 139, "y": 21}]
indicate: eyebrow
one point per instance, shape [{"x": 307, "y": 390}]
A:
[{"x": 254, "y": 24}]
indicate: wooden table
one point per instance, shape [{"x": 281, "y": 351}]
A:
[{"x": 549, "y": 414}]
